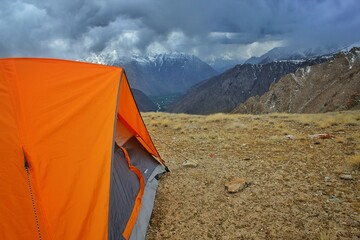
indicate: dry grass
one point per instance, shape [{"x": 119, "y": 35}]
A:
[
  {"x": 297, "y": 191},
  {"x": 326, "y": 120},
  {"x": 354, "y": 162}
]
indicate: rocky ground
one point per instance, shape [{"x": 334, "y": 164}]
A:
[{"x": 295, "y": 181}]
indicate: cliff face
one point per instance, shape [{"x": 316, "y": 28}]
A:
[
  {"x": 226, "y": 91},
  {"x": 330, "y": 86}
]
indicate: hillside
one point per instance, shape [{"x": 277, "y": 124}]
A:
[
  {"x": 331, "y": 86},
  {"x": 226, "y": 91},
  {"x": 296, "y": 189}
]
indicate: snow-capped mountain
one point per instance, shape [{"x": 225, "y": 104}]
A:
[
  {"x": 226, "y": 91},
  {"x": 348, "y": 48},
  {"x": 159, "y": 74},
  {"x": 291, "y": 54},
  {"x": 167, "y": 73},
  {"x": 110, "y": 58},
  {"x": 299, "y": 54}
]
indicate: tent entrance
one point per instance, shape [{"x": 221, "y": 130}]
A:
[{"x": 129, "y": 214}]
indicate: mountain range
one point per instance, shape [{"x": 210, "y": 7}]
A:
[
  {"x": 226, "y": 91},
  {"x": 290, "y": 54},
  {"x": 159, "y": 74},
  {"x": 330, "y": 86},
  {"x": 175, "y": 74}
]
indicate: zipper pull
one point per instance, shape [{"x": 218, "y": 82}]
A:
[{"x": 26, "y": 164}]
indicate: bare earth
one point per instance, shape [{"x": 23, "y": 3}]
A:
[{"x": 296, "y": 190}]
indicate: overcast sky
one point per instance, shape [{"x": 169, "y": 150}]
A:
[{"x": 231, "y": 29}]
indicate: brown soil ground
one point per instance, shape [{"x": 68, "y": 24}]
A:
[{"x": 296, "y": 190}]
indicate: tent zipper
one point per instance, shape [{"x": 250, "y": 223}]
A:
[{"x": 27, "y": 166}]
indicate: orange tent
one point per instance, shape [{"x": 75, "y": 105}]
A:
[{"x": 76, "y": 159}]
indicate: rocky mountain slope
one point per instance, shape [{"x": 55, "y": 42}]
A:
[
  {"x": 160, "y": 74},
  {"x": 331, "y": 86},
  {"x": 226, "y": 91}
]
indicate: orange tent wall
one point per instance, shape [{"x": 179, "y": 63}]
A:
[
  {"x": 14, "y": 191},
  {"x": 61, "y": 114}
]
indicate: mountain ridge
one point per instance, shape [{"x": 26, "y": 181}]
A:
[
  {"x": 300, "y": 54},
  {"x": 333, "y": 85},
  {"x": 226, "y": 91}
]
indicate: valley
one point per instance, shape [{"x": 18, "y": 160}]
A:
[{"x": 164, "y": 101}]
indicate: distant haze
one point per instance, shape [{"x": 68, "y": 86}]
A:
[{"x": 210, "y": 29}]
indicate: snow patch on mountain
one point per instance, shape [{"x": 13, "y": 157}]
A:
[
  {"x": 290, "y": 54},
  {"x": 297, "y": 55},
  {"x": 112, "y": 57},
  {"x": 348, "y": 48}
]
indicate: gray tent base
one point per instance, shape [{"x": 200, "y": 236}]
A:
[
  {"x": 124, "y": 188},
  {"x": 140, "y": 228}
]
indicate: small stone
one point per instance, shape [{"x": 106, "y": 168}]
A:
[
  {"x": 189, "y": 164},
  {"x": 237, "y": 185},
  {"x": 290, "y": 137},
  {"x": 322, "y": 136},
  {"x": 246, "y": 159},
  {"x": 302, "y": 197},
  {"x": 327, "y": 179},
  {"x": 346, "y": 177},
  {"x": 334, "y": 199}
]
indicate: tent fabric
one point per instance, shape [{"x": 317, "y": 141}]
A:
[
  {"x": 128, "y": 110},
  {"x": 59, "y": 118},
  {"x": 123, "y": 197},
  {"x": 125, "y": 192},
  {"x": 137, "y": 203},
  {"x": 140, "y": 227}
]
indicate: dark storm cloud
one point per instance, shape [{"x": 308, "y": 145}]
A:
[
  {"x": 328, "y": 23},
  {"x": 72, "y": 29}
]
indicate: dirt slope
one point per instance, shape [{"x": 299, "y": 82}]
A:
[{"x": 296, "y": 190}]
